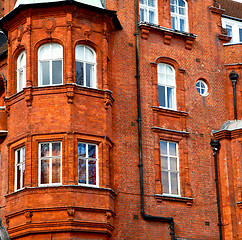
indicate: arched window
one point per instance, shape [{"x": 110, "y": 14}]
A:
[
  {"x": 50, "y": 57},
  {"x": 21, "y": 71},
  {"x": 179, "y": 15},
  {"x": 166, "y": 86},
  {"x": 85, "y": 66}
]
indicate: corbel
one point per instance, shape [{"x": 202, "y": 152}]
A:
[
  {"x": 28, "y": 96},
  {"x": 70, "y": 92},
  {"x": 189, "y": 42},
  {"x": 71, "y": 214},
  {"x": 167, "y": 37},
  {"x": 145, "y": 33},
  {"x": 108, "y": 99},
  {"x": 28, "y": 216}
]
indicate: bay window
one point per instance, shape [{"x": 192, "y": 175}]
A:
[
  {"x": 50, "y": 60},
  {"x": 169, "y": 168},
  {"x": 87, "y": 164},
  {"x": 50, "y": 163}
]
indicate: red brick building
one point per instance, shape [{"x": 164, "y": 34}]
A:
[{"x": 121, "y": 119}]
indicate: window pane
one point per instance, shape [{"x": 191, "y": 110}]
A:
[
  {"x": 45, "y": 73},
  {"x": 23, "y": 175},
  {"x": 45, "y": 151},
  {"x": 182, "y": 24},
  {"x": 44, "y": 52},
  {"x": 92, "y": 172},
  {"x": 229, "y": 29},
  {"x": 164, "y": 163},
  {"x": 182, "y": 11},
  {"x": 57, "y": 72},
  {"x": 161, "y": 93},
  {"x": 89, "y": 75},
  {"x": 151, "y": 17},
  {"x": 164, "y": 176},
  {"x": 142, "y": 15},
  {"x": 79, "y": 73},
  {"x": 173, "y": 9},
  {"x": 172, "y": 149},
  {"x": 174, "y": 2},
  {"x": 173, "y": 22},
  {"x": 44, "y": 171},
  {"x": 170, "y": 97},
  {"x": 240, "y": 34},
  {"x": 56, "y": 51},
  {"x": 151, "y": 3},
  {"x": 173, "y": 164},
  {"x": 18, "y": 176},
  {"x": 181, "y": 3},
  {"x": 89, "y": 55},
  {"x": 56, "y": 149},
  {"x": 81, "y": 150},
  {"x": 163, "y": 148},
  {"x": 81, "y": 171},
  {"x": 174, "y": 185},
  {"x": 142, "y": 1},
  {"x": 56, "y": 170},
  {"x": 79, "y": 53},
  {"x": 18, "y": 156},
  {"x": 91, "y": 151}
]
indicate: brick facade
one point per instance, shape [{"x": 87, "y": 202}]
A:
[{"x": 106, "y": 116}]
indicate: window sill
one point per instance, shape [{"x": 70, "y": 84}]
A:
[
  {"x": 169, "y": 112},
  {"x": 232, "y": 44},
  {"x": 168, "y": 34},
  {"x": 160, "y": 198}
]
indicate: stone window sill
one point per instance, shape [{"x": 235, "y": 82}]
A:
[{"x": 160, "y": 198}]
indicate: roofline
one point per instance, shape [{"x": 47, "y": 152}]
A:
[
  {"x": 233, "y": 18},
  {"x": 21, "y": 7}
]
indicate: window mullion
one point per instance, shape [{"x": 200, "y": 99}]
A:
[
  {"x": 87, "y": 180},
  {"x": 50, "y": 164}
]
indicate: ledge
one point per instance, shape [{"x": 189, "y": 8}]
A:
[
  {"x": 169, "y": 112},
  {"x": 186, "y": 200},
  {"x": 170, "y": 131},
  {"x": 168, "y": 34}
]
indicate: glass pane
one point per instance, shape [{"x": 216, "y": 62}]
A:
[
  {"x": 181, "y": 3},
  {"x": 45, "y": 150},
  {"x": 163, "y": 148},
  {"x": 18, "y": 156},
  {"x": 56, "y": 170},
  {"x": 172, "y": 149},
  {"x": 44, "y": 171},
  {"x": 56, "y": 149},
  {"x": 57, "y": 72},
  {"x": 174, "y": 2},
  {"x": 141, "y": 1},
  {"x": 18, "y": 177},
  {"x": 142, "y": 15},
  {"x": 44, "y": 52},
  {"x": 173, "y": 9},
  {"x": 170, "y": 97},
  {"x": 23, "y": 176},
  {"x": 151, "y": 3},
  {"x": 164, "y": 177},
  {"x": 151, "y": 17},
  {"x": 89, "y": 55},
  {"x": 79, "y": 53},
  {"x": 198, "y": 84},
  {"x": 240, "y": 34},
  {"x": 92, "y": 172},
  {"x": 162, "y": 78},
  {"x": 173, "y": 22},
  {"x": 170, "y": 80},
  {"x": 164, "y": 163},
  {"x": 91, "y": 151},
  {"x": 182, "y": 24},
  {"x": 229, "y": 29},
  {"x": 89, "y": 75},
  {"x": 81, "y": 171},
  {"x": 56, "y": 51},
  {"x": 79, "y": 73},
  {"x": 182, "y": 11},
  {"x": 202, "y": 91},
  {"x": 173, "y": 164},
  {"x": 174, "y": 184},
  {"x": 161, "y": 93},
  {"x": 45, "y": 73},
  {"x": 81, "y": 150}
]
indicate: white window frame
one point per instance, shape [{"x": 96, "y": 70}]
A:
[
  {"x": 93, "y": 81},
  {"x": 167, "y": 85},
  {"x": 146, "y": 9},
  {"x": 169, "y": 171},
  {"x": 199, "y": 88},
  {"x": 21, "y": 69},
  {"x": 51, "y": 59},
  {"x": 236, "y": 26},
  {"x": 50, "y": 157},
  {"x": 88, "y": 159},
  {"x": 178, "y": 16},
  {"x": 20, "y": 165}
]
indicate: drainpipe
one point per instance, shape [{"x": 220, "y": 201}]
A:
[
  {"x": 233, "y": 76},
  {"x": 215, "y": 146},
  {"x": 144, "y": 215}
]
